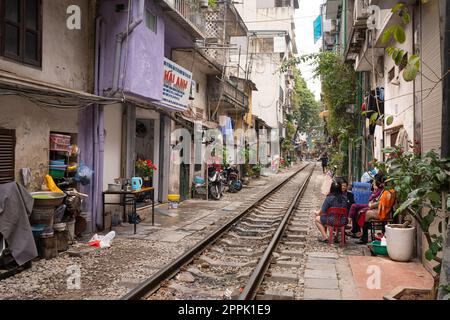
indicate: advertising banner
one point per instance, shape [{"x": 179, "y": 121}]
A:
[{"x": 177, "y": 85}]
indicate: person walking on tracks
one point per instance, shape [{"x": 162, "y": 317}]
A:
[{"x": 324, "y": 159}]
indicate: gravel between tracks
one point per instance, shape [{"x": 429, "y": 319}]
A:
[{"x": 107, "y": 273}]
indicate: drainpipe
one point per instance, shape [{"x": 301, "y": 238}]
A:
[
  {"x": 120, "y": 38},
  {"x": 98, "y": 117},
  {"x": 344, "y": 13},
  {"x": 445, "y": 144},
  {"x": 446, "y": 84}
]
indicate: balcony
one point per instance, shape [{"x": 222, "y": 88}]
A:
[
  {"x": 188, "y": 14},
  {"x": 233, "y": 99}
]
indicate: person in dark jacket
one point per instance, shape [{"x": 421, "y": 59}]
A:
[
  {"x": 348, "y": 194},
  {"x": 335, "y": 199},
  {"x": 324, "y": 160}
]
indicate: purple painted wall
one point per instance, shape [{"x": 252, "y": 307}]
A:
[{"x": 146, "y": 49}]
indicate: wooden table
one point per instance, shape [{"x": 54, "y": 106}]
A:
[{"x": 129, "y": 198}]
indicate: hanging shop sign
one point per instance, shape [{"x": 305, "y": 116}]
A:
[{"x": 177, "y": 85}]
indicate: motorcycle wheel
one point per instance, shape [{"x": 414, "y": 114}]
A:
[{"x": 215, "y": 192}]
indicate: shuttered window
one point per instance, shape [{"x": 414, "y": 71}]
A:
[
  {"x": 7, "y": 155},
  {"x": 21, "y": 30}
]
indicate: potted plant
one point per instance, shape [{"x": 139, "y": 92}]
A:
[
  {"x": 257, "y": 170},
  {"x": 145, "y": 169},
  {"x": 421, "y": 183}
]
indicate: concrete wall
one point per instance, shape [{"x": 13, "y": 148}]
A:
[
  {"x": 265, "y": 65},
  {"x": 33, "y": 125},
  {"x": 113, "y": 144},
  {"x": 249, "y": 11},
  {"x": 142, "y": 72},
  {"x": 67, "y": 55},
  {"x": 268, "y": 82},
  {"x": 399, "y": 100},
  {"x": 144, "y": 50},
  {"x": 185, "y": 59}
]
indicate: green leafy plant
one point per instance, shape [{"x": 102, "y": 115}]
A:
[
  {"x": 422, "y": 184},
  {"x": 339, "y": 88},
  {"x": 212, "y": 3},
  {"x": 397, "y": 33}
]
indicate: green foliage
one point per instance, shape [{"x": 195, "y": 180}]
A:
[
  {"x": 397, "y": 32},
  {"x": 306, "y": 108},
  {"x": 339, "y": 85},
  {"x": 419, "y": 182},
  {"x": 212, "y": 3}
]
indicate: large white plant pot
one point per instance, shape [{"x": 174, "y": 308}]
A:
[{"x": 400, "y": 242}]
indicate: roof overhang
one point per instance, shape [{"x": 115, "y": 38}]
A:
[
  {"x": 202, "y": 62},
  {"x": 49, "y": 95}
]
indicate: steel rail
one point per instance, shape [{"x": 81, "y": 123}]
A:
[
  {"x": 250, "y": 290},
  {"x": 151, "y": 284}
]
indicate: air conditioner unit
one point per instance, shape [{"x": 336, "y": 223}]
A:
[
  {"x": 360, "y": 13},
  {"x": 333, "y": 27}
]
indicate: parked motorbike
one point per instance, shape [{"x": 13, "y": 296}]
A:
[
  {"x": 233, "y": 182},
  {"x": 215, "y": 184}
]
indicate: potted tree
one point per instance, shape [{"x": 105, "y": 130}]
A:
[{"x": 421, "y": 183}]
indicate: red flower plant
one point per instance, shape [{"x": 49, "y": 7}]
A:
[{"x": 145, "y": 168}]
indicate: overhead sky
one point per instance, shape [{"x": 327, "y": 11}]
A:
[{"x": 304, "y": 32}]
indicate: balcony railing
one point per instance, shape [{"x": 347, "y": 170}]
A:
[
  {"x": 190, "y": 12},
  {"x": 232, "y": 97}
]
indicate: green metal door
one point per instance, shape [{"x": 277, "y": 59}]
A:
[{"x": 184, "y": 181}]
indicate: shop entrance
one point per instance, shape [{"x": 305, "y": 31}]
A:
[
  {"x": 145, "y": 139},
  {"x": 145, "y": 150}
]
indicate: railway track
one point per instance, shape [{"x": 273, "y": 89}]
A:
[{"x": 235, "y": 261}]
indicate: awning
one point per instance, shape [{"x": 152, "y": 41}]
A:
[{"x": 49, "y": 95}]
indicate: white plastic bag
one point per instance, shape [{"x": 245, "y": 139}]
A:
[
  {"x": 102, "y": 241},
  {"x": 383, "y": 241}
]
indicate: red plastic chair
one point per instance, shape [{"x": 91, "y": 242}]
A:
[{"x": 334, "y": 217}]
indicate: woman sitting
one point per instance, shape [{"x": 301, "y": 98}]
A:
[
  {"x": 335, "y": 199},
  {"x": 385, "y": 206},
  {"x": 357, "y": 209}
]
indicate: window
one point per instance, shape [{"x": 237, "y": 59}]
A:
[
  {"x": 21, "y": 30},
  {"x": 282, "y": 3},
  {"x": 7, "y": 155},
  {"x": 264, "y": 45},
  {"x": 151, "y": 20}
]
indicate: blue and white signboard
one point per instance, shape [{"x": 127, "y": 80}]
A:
[
  {"x": 317, "y": 28},
  {"x": 177, "y": 85}
]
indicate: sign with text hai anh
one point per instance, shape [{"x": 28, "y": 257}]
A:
[{"x": 177, "y": 85}]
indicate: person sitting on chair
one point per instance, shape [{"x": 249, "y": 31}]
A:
[
  {"x": 348, "y": 194},
  {"x": 357, "y": 209},
  {"x": 335, "y": 199},
  {"x": 385, "y": 206}
]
